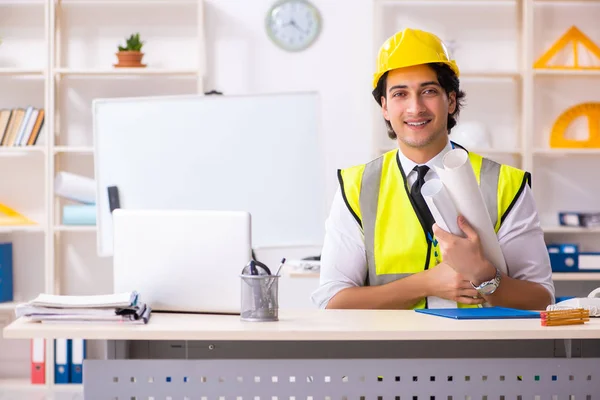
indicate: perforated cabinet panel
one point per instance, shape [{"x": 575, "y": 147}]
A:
[{"x": 344, "y": 379}]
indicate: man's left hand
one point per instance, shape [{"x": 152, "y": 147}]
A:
[{"x": 464, "y": 255}]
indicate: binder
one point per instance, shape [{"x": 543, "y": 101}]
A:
[
  {"x": 62, "y": 359},
  {"x": 78, "y": 354},
  {"x": 38, "y": 361},
  {"x": 480, "y": 313},
  {"x": 6, "y": 273}
]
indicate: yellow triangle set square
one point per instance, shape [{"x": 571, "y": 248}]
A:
[
  {"x": 584, "y": 53},
  {"x": 9, "y": 217}
]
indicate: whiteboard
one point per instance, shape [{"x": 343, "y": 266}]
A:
[{"x": 257, "y": 153}]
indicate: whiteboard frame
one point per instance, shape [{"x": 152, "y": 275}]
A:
[{"x": 104, "y": 249}]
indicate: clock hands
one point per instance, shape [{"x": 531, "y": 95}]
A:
[{"x": 295, "y": 25}]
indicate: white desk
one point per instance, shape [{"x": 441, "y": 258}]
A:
[{"x": 373, "y": 340}]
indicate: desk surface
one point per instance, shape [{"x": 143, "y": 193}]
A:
[{"x": 308, "y": 325}]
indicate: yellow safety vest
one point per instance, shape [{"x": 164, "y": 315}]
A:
[{"x": 396, "y": 244}]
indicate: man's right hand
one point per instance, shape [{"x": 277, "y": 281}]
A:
[{"x": 444, "y": 282}]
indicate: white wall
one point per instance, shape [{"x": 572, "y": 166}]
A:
[{"x": 243, "y": 60}]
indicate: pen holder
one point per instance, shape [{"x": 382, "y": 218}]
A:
[{"x": 259, "y": 298}]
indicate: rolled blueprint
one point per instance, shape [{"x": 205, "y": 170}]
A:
[
  {"x": 460, "y": 184},
  {"x": 442, "y": 208},
  {"x": 79, "y": 214},
  {"x": 75, "y": 187},
  {"x": 444, "y": 212}
]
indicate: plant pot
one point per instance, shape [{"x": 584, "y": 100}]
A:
[{"x": 130, "y": 59}]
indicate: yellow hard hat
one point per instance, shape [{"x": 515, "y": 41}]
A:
[{"x": 411, "y": 47}]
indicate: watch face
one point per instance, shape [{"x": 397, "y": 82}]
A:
[
  {"x": 293, "y": 24},
  {"x": 488, "y": 288}
]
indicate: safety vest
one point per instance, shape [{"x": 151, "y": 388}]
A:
[{"x": 396, "y": 243}]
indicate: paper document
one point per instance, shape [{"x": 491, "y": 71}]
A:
[
  {"x": 441, "y": 206},
  {"x": 121, "y": 300},
  {"x": 120, "y": 307},
  {"x": 460, "y": 195}
]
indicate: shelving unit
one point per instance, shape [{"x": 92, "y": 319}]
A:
[{"x": 77, "y": 41}]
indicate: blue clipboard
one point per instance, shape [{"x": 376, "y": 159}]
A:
[{"x": 480, "y": 313}]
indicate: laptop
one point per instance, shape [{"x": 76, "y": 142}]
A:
[{"x": 182, "y": 260}]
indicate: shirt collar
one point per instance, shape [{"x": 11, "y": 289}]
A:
[{"x": 408, "y": 164}]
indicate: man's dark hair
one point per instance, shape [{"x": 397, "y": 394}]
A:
[{"x": 448, "y": 81}]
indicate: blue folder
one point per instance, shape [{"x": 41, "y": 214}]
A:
[
  {"x": 480, "y": 313},
  {"x": 6, "y": 272},
  {"x": 62, "y": 361}
]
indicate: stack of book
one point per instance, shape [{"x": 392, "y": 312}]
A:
[
  {"x": 20, "y": 126},
  {"x": 121, "y": 307}
]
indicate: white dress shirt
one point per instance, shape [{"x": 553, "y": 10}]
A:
[{"x": 344, "y": 264}]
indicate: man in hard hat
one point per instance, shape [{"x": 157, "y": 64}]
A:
[{"x": 382, "y": 247}]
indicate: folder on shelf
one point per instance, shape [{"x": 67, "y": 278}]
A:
[
  {"x": 78, "y": 354},
  {"x": 480, "y": 313},
  {"x": 62, "y": 359},
  {"x": 38, "y": 361},
  {"x": 6, "y": 272},
  {"x": 75, "y": 187}
]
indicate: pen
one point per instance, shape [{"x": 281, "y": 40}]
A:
[
  {"x": 253, "y": 270},
  {"x": 276, "y": 274},
  {"x": 280, "y": 265}
]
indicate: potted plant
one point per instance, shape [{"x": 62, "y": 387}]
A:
[{"x": 131, "y": 54}]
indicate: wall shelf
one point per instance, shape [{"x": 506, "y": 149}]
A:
[
  {"x": 567, "y": 72},
  {"x": 74, "y": 149},
  {"x": 566, "y": 152},
  {"x": 18, "y": 387},
  {"x": 576, "y": 276},
  {"x": 141, "y": 72},
  {"x": 489, "y": 75},
  {"x": 21, "y": 150},
  {"x": 21, "y": 228},
  {"x": 75, "y": 228},
  {"x": 8, "y": 307},
  {"x": 21, "y": 71},
  {"x": 570, "y": 229}
]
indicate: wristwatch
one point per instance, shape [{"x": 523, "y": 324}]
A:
[{"x": 488, "y": 287}]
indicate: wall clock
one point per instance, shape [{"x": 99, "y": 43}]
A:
[{"x": 293, "y": 25}]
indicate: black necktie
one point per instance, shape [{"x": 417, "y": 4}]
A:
[{"x": 419, "y": 201}]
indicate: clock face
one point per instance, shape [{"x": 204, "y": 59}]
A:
[{"x": 293, "y": 24}]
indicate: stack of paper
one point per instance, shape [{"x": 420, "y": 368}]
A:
[{"x": 121, "y": 307}]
